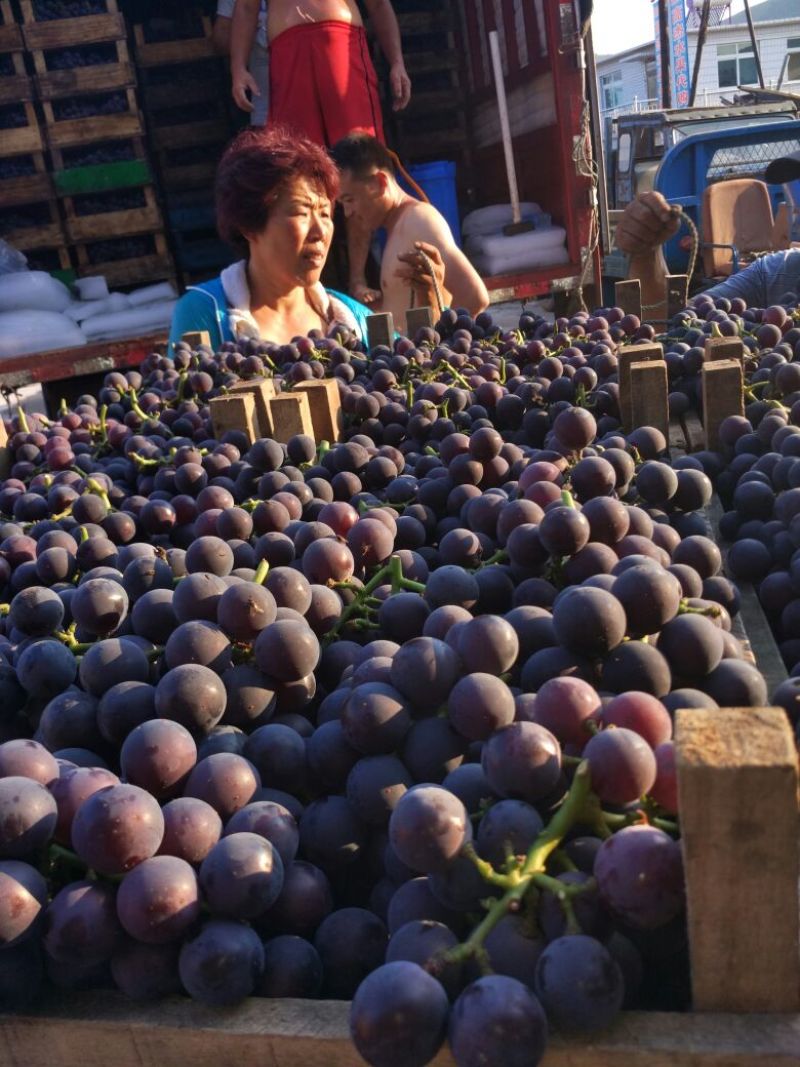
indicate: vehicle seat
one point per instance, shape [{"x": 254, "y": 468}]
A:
[{"x": 737, "y": 225}]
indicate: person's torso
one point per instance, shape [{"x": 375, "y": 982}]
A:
[
  {"x": 285, "y": 14},
  {"x": 781, "y": 274},
  {"x": 400, "y": 238}
]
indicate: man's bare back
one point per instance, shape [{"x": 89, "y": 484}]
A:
[
  {"x": 284, "y": 14},
  {"x": 412, "y": 221}
]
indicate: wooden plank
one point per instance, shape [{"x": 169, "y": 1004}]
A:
[
  {"x": 60, "y": 364},
  {"x": 263, "y": 392},
  {"x": 325, "y": 402},
  {"x": 95, "y": 78},
  {"x": 723, "y": 383},
  {"x": 94, "y": 128},
  {"x": 23, "y": 140},
  {"x": 189, "y": 134},
  {"x": 67, "y": 33},
  {"x": 97, "y": 1029},
  {"x": 416, "y": 318},
  {"x": 236, "y": 411},
  {"x": 628, "y": 296},
  {"x": 195, "y": 338},
  {"x": 142, "y": 269},
  {"x": 738, "y": 782},
  {"x": 33, "y": 237},
  {"x": 32, "y": 189},
  {"x": 380, "y": 329},
  {"x": 677, "y": 293},
  {"x": 165, "y": 53},
  {"x": 649, "y": 392},
  {"x": 6, "y": 457},
  {"x": 103, "y": 224},
  {"x": 643, "y": 353},
  {"x": 717, "y": 348},
  {"x": 291, "y": 414}
]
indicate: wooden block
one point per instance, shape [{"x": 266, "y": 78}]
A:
[
  {"x": 677, "y": 293},
  {"x": 380, "y": 330},
  {"x": 416, "y": 318},
  {"x": 234, "y": 412},
  {"x": 723, "y": 383},
  {"x": 197, "y": 337},
  {"x": 724, "y": 348},
  {"x": 325, "y": 403},
  {"x": 5, "y": 451},
  {"x": 737, "y": 784},
  {"x": 649, "y": 403},
  {"x": 263, "y": 391},
  {"x": 291, "y": 414},
  {"x": 626, "y": 356},
  {"x": 628, "y": 296}
]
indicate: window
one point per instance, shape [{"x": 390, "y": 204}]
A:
[
  {"x": 736, "y": 64},
  {"x": 611, "y": 89},
  {"x": 793, "y": 60}
]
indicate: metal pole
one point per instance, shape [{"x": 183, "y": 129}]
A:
[
  {"x": 701, "y": 40},
  {"x": 505, "y": 125},
  {"x": 663, "y": 32},
  {"x": 597, "y": 139},
  {"x": 752, "y": 30}
]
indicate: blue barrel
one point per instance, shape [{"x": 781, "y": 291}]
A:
[{"x": 438, "y": 181}]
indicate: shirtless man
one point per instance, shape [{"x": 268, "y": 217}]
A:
[
  {"x": 371, "y": 196},
  {"x": 322, "y": 81}
]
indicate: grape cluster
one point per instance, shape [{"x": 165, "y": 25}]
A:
[
  {"x": 97, "y": 153},
  {"x": 47, "y": 10},
  {"x": 118, "y": 200},
  {"x": 83, "y": 107},
  {"x": 13, "y": 117},
  {"x": 89, "y": 55},
  {"x": 118, "y": 248},
  {"x": 304, "y": 720}
]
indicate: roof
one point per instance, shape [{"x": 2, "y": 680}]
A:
[
  {"x": 767, "y": 11},
  {"x": 644, "y": 50}
]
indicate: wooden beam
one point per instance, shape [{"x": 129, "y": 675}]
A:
[
  {"x": 416, "y": 318},
  {"x": 723, "y": 395},
  {"x": 649, "y": 393},
  {"x": 291, "y": 414},
  {"x": 737, "y": 783},
  {"x": 195, "y": 338},
  {"x": 625, "y": 357},
  {"x": 677, "y": 293},
  {"x": 236, "y": 411},
  {"x": 628, "y": 296},
  {"x": 263, "y": 391},
  {"x": 325, "y": 404},
  {"x": 724, "y": 348},
  {"x": 380, "y": 330}
]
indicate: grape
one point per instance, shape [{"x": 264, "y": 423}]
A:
[
  {"x": 351, "y": 943},
  {"x": 158, "y": 756},
  {"x": 497, "y": 1020},
  {"x": 146, "y": 972},
  {"x": 28, "y": 816},
  {"x": 191, "y": 829},
  {"x": 425, "y": 670},
  {"x": 424, "y": 942},
  {"x": 245, "y": 610},
  {"x": 375, "y": 718},
  {"x": 736, "y": 684},
  {"x": 116, "y": 828},
  {"x": 123, "y": 707},
  {"x": 242, "y": 876},
  {"x": 23, "y": 897},
  {"x": 191, "y": 695},
  {"x": 287, "y": 650},
  {"x": 222, "y": 964},
  {"x": 46, "y": 668},
  {"x": 27, "y": 759},
  {"x": 36, "y": 611},
  {"x": 81, "y": 924},
  {"x": 622, "y": 765},
  {"x": 563, "y": 706},
  {"x": 225, "y": 781},
  {"x": 579, "y": 983},
  {"x": 509, "y": 828},
  {"x": 650, "y": 596},
  {"x": 375, "y": 786},
  {"x": 451, "y": 586},
  {"x": 589, "y": 621},
  {"x": 331, "y": 835},
  {"x": 428, "y": 828},
  {"x": 292, "y": 968},
  {"x": 564, "y": 531},
  {"x": 488, "y": 645},
  {"x": 522, "y": 761},
  {"x": 639, "y": 874},
  {"x": 70, "y": 720},
  {"x": 641, "y": 713},
  {"x": 665, "y": 788},
  {"x": 479, "y": 704},
  {"x": 398, "y": 1017},
  {"x": 198, "y": 642},
  {"x": 636, "y": 665},
  {"x": 197, "y": 597},
  {"x": 153, "y": 615},
  {"x": 304, "y": 901},
  {"x": 158, "y": 901},
  {"x": 250, "y": 696},
  {"x": 692, "y": 645},
  {"x": 99, "y": 606}
]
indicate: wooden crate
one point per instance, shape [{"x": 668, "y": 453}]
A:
[
  {"x": 16, "y": 84},
  {"x": 23, "y": 139},
  {"x": 62, "y": 133},
  {"x": 44, "y": 230},
  {"x": 154, "y": 264},
  {"x": 35, "y": 184},
  {"x": 10, "y": 32},
  {"x": 54, "y": 259},
  {"x": 107, "y": 25},
  {"x": 117, "y": 73},
  {"x": 183, "y": 49},
  {"x": 78, "y": 169},
  {"x": 115, "y": 222},
  {"x": 206, "y": 131}
]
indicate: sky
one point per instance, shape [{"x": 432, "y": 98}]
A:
[{"x": 621, "y": 24}]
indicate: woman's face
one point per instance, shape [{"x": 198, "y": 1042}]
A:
[{"x": 294, "y": 244}]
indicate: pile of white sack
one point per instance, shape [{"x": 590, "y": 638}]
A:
[
  {"x": 39, "y": 313},
  {"x": 493, "y": 253}
]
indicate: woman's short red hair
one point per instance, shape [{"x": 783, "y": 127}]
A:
[{"x": 255, "y": 168}]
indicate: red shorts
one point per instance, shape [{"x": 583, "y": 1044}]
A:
[{"x": 322, "y": 82}]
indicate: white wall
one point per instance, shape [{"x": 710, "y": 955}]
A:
[{"x": 772, "y": 40}]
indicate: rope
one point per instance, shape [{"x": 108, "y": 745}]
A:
[
  {"x": 586, "y": 167},
  {"x": 690, "y": 225},
  {"x": 426, "y": 259}
]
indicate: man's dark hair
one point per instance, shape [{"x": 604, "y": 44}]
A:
[{"x": 362, "y": 154}]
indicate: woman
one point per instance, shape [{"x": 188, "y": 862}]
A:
[{"x": 274, "y": 197}]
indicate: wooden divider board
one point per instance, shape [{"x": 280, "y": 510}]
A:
[
  {"x": 738, "y": 792},
  {"x": 325, "y": 404},
  {"x": 195, "y": 338},
  {"x": 724, "y": 348},
  {"x": 626, "y": 356},
  {"x": 380, "y": 329},
  {"x": 236, "y": 411},
  {"x": 628, "y": 296},
  {"x": 417, "y": 318},
  {"x": 263, "y": 392},
  {"x": 723, "y": 395},
  {"x": 649, "y": 403},
  {"x": 5, "y": 451},
  {"x": 291, "y": 414}
]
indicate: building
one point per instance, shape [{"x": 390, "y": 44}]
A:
[{"x": 629, "y": 81}]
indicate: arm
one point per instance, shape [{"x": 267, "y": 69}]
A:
[
  {"x": 358, "y": 242},
  {"x": 749, "y": 284},
  {"x": 384, "y": 22},
  {"x": 646, "y": 224},
  {"x": 221, "y": 33},
  {"x": 243, "y": 33},
  {"x": 460, "y": 278},
  {"x": 194, "y": 311}
]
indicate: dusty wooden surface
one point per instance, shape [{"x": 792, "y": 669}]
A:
[
  {"x": 649, "y": 402},
  {"x": 630, "y": 354},
  {"x": 105, "y": 1030},
  {"x": 723, "y": 396}
]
